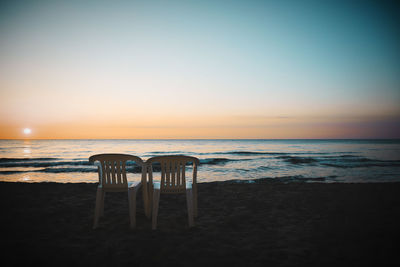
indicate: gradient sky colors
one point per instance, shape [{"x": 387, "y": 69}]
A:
[{"x": 200, "y": 69}]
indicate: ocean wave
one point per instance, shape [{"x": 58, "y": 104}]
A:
[
  {"x": 342, "y": 161},
  {"x": 365, "y": 164},
  {"x": 350, "y": 161},
  {"x": 248, "y": 153},
  {"x": 135, "y": 169},
  {"x": 299, "y": 178},
  {"x": 169, "y": 152},
  {"x": 82, "y": 166},
  {"x": 25, "y": 159},
  {"x": 49, "y": 162},
  {"x": 256, "y": 153},
  {"x": 207, "y": 161},
  {"x": 214, "y": 161},
  {"x": 43, "y": 164},
  {"x": 66, "y": 170},
  {"x": 298, "y": 160},
  {"x": 50, "y": 170},
  {"x": 263, "y": 168},
  {"x": 13, "y": 172},
  {"x": 282, "y": 179}
]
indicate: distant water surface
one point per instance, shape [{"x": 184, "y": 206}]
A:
[{"x": 287, "y": 160}]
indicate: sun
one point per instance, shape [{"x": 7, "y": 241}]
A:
[{"x": 27, "y": 131}]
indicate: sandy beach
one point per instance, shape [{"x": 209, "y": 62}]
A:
[{"x": 266, "y": 223}]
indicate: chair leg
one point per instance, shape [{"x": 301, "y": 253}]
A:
[
  {"x": 103, "y": 196},
  {"x": 150, "y": 190},
  {"x": 189, "y": 201},
  {"x": 156, "y": 201},
  {"x": 147, "y": 199},
  {"x": 195, "y": 213},
  {"x": 150, "y": 200},
  {"x": 97, "y": 209},
  {"x": 132, "y": 207}
]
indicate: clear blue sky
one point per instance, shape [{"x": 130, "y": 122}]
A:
[{"x": 245, "y": 69}]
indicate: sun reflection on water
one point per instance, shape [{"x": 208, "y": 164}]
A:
[
  {"x": 25, "y": 178},
  {"x": 27, "y": 148}
]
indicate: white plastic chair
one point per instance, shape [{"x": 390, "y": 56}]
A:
[
  {"x": 112, "y": 178},
  {"x": 173, "y": 181}
]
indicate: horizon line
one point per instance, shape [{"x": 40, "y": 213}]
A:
[{"x": 361, "y": 138}]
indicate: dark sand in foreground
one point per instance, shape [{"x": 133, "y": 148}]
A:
[{"x": 261, "y": 224}]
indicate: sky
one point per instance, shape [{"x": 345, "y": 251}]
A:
[{"x": 199, "y": 69}]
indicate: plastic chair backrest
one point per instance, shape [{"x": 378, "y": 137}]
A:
[
  {"x": 173, "y": 172},
  {"x": 112, "y": 169}
]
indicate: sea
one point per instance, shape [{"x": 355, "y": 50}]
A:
[{"x": 323, "y": 161}]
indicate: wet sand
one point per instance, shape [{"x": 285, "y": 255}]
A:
[{"x": 266, "y": 223}]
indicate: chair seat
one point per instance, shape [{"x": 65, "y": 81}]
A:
[
  {"x": 134, "y": 184},
  {"x": 131, "y": 185},
  {"x": 157, "y": 185}
]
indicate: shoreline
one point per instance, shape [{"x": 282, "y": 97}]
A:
[{"x": 253, "y": 224}]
